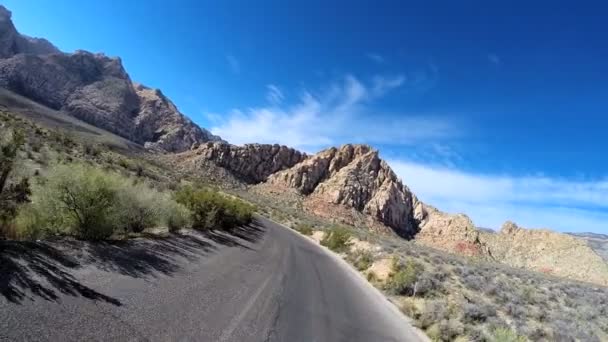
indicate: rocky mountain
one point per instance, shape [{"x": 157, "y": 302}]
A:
[
  {"x": 598, "y": 242},
  {"x": 94, "y": 88},
  {"x": 546, "y": 251},
  {"x": 251, "y": 163},
  {"x": 351, "y": 177},
  {"x": 12, "y": 43}
]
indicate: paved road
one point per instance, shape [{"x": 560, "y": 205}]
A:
[{"x": 258, "y": 283}]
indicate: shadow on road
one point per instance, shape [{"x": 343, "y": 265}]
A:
[
  {"x": 45, "y": 269},
  {"x": 236, "y": 237}
]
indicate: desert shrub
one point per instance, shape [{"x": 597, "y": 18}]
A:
[
  {"x": 13, "y": 193},
  {"x": 506, "y": 335},
  {"x": 361, "y": 259},
  {"x": 304, "y": 228},
  {"x": 449, "y": 329},
  {"x": 177, "y": 216},
  {"x": 337, "y": 239},
  {"x": 212, "y": 210},
  {"x": 429, "y": 284},
  {"x": 140, "y": 207},
  {"x": 477, "y": 313},
  {"x": 92, "y": 204},
  {"x": 434, "y": 311},
  {"x": 403, "y": 278}
]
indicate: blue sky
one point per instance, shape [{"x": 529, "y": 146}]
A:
[{"x": 495, "y": 110}]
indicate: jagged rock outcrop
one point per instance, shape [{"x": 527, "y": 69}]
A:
[
  {"x": 252, "y": 163},
  {"x": 12, "y": 43},
  {"x": 546, "y": 251},
  {"x": 160, "y": 125},
  {"x": 352, "y": 177},
  {"x": 94, "y": 88},
  {"x": 454, "y": 233}
]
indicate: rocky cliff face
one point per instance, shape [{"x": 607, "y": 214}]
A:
[
  {"x": 547, "y": 252},
  {"x": 350, "y": 177},
  {"x": 12, "y": 43},
  {"x": 251, "y": 163},
  {"x": 448, "y": 232},
  {"x": 94, "y": 88}
]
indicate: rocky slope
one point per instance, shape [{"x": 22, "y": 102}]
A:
[
  {"x": 448, "y": 232},
  {"x": 547, "y": 252},
  {"x": 94, "y": 88},
  {"x": 597, "y": 242},
  {"x": 351, "y": 184},
  {"x": 351, "y": 179}
]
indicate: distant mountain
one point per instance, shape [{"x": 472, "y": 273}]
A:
[
  {"x": 93, "y": 88},
  {"x": 598, "y": 242}
]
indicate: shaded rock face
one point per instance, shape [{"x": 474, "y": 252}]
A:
[
  {"x": 352, "y": 176},
  {"x": 252, "y": 163},
  {"x": 94, "y": 88},
  {"x": 12, "y": 43}
]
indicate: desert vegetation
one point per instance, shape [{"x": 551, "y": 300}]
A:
[
  {"x": 54, "y": 183},
  {"x": 89, "y": 203},
  {"x": 211, "y": 209},
  {"x": 455, "y": 298}
]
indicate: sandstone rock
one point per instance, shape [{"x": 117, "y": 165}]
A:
[
  {"x": 452, "y": 233},
  {"x": 252, "y": 163},
  {"x": 548, "y": 252},
  {"x": 352, "y": 176}
]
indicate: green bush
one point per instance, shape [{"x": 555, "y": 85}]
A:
[
  {"x": 303, "y": 228},
  {"x": 177, "y": 216},
  {"x": 13, "y": 193},
  {"x": 337, "y": 239},
  {"x": 211, "y": 210},
  {"x": 362, "y": 260},
  {"x": 140, "y": 209},
  {"x": 403, "y": 278},
  {"x": 506, "y": 335},
  {"x": 92, "y": 204}
]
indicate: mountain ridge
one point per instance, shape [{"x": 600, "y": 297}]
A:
[
  {"x": 94, "y": 88},
  {"x": 350, "y": 184}
]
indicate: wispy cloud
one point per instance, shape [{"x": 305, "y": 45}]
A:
[
  {"x": 490, "y": 200},
  {"x": 376, "y": 58},
  {"x": 274, "y": 95},
  {"x": 234, "y": 64},
  {"x": 494, "y": 59},
  {"x": 382, "y": 84},
  {"x": 342, "y": 112}
]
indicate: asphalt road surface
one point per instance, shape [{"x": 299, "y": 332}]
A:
[{"x": 262, "y": 282}]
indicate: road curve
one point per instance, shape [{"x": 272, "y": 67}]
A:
[{"x": 262, "y": 282}]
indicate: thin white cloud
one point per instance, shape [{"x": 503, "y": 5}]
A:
[
  {"x": 490, "y": 200},
  {"x": 376, "y": 58},
  {"x": 274, "y": 95},
  {"x": 234, "y": 64},
  {"x": 494, "y": 59},
  {"x": 342, "y": 113},
  {"x": 382, "y": 84}
]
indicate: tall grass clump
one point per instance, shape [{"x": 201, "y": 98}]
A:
[
  {"x": 93, "y": 204},
  {"x": 211, "y": 210}
]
